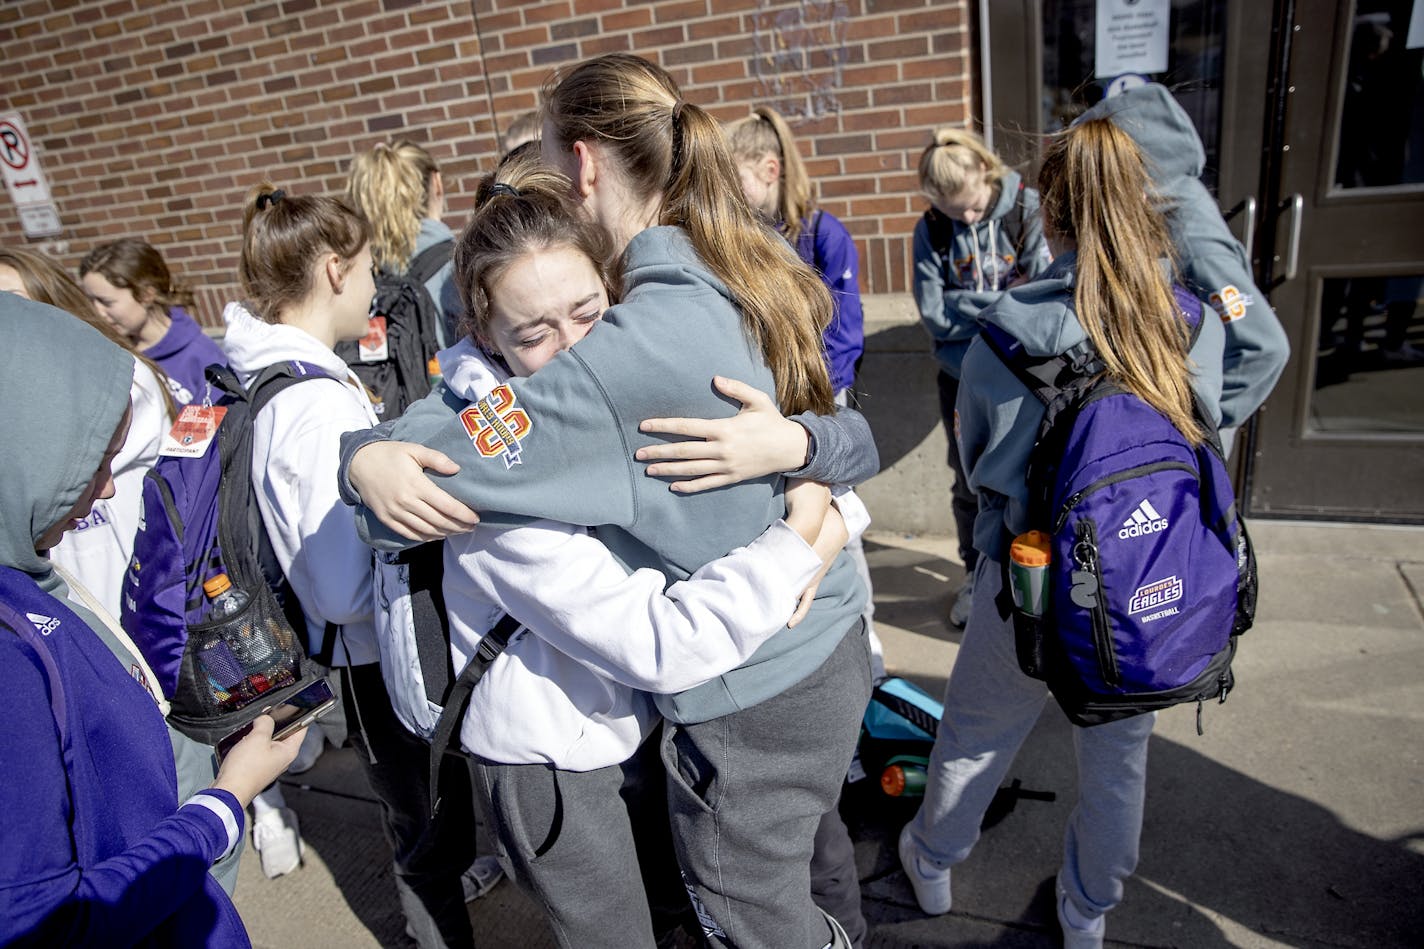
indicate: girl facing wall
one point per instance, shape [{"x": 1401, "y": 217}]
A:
[{"x": 306, "y": 271}]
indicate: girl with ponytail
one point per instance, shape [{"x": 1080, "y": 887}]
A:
[
  {"x": 307, "y": 276},
  {"x": 1109, "y": 289},
  {"x": 707, "y": 291}
]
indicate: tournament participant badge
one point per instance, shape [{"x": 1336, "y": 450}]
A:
[
  {"x": 496, "y": 427},
  {"x": 194, "y": 431},
  {"x": 375, "y": 345}
]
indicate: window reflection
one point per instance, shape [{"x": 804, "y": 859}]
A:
[
  {"x": 1369, "y": 369},
  {"x": 1382, "y": 115},
  {"x": 1196, "y": 38}
]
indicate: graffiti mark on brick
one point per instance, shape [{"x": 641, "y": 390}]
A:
[{"x": 801, "y": 55}]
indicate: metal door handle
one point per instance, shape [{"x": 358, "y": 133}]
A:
[
  {"x": 1248, "y": 205},
  {"x": 1295, "y": 204}
]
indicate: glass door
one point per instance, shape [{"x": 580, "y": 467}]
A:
[
  {"x": 1343, "y": 436},
  {"x": 1312, "y": 114}
]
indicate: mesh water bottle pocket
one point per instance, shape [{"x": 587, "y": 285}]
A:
[{"x": 233, "y": 661}]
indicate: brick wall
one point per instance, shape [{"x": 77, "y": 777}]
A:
[{"x": 154, "y": 118}]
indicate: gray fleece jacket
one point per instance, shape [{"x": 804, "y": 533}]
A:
[
  {"x": 1214, "y": 265},
  {"x": 953, "y": 284},
  {"x": 999, "y": 417},
  {"x": 560, "y": 445}
]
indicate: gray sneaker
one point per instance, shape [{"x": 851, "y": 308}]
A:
[{"x": 963, "y": 603}]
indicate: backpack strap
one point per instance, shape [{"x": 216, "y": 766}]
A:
[
  {"x": 431, "y": 622},
  {"x": 239, "y": 508},
  {"x": 453, "y": 713},
  {"x": 16, "y": 621},
  {"x": 428, "y": 262},
  {"x": 1013, "y": 224}
]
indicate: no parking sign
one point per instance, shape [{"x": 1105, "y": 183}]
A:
[{"x": 24, "y": 179}]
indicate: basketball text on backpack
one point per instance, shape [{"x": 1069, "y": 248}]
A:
[
  {"x": 1152, "y": 575},
  {"x": 405, "y": 334},
  {"x": 200, "y": 520},
  {"x": 428, "y": 695}
]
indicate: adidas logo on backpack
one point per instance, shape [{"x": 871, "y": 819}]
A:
[
  {"x": 1144, "y": 520},
  {"x": 1130, "y": 626}
]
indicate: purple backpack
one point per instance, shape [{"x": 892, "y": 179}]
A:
[
  {"x": 200, "y": 519},
  {"x": 1152, "y": 575}
]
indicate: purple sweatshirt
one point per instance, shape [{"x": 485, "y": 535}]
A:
[
  {"x": 827, "y": 246},
  {"x": 183, "y": 353},
  {"x": 96, "y": 849}
]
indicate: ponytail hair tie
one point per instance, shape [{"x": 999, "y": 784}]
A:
[
  {"x": 677, "y": 111},
  {"x": 268, "y": 198},
  {"x": 499, "y": 187}
]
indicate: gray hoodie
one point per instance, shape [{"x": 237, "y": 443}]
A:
[
  {"x": 952, "y": 288},
  {"x": 1213, "y": 262},
  {"x": 560, "y": 445},
  {"x": 999, "y": 417}
]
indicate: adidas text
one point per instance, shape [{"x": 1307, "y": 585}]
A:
[{"x": 1144, "y": 520}]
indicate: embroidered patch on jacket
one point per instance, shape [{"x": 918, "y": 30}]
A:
[
  {"x": 1230, "y": 303},
  {"x": 496, "y": 426}
]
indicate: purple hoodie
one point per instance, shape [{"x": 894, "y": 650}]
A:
[{"x": 183, "y": 353}]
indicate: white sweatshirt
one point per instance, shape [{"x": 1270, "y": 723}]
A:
[
  {"x": 571, "y": 690},
  {"x": 97, "y": 551},
  {"x": 296, "y": 442}
]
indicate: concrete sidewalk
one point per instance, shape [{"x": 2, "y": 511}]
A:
[{"x": 1296, "y": 820}]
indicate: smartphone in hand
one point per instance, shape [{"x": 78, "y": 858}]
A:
[{"x": 297, "y": 712}]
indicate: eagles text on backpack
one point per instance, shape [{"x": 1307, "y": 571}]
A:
[
  {"x": 392, "y": 360},
  {"x": 200, "y": 528},
  {"x": 1152, "y": 576}
]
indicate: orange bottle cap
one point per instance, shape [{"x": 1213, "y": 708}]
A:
[
  {"x": 216, "y": 586},
  {"x": 1032, "y": 549}
]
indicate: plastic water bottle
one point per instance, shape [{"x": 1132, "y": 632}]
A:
[
  {"x": 253, "y": 649},
  {"x": 226, "y": 598}
]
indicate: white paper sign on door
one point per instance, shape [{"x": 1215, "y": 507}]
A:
[{"x": 1131, "y": 37}]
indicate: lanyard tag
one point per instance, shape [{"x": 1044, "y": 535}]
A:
[
  {"x": 193, "y": 432},
  {"x": 374, "y": 346}
]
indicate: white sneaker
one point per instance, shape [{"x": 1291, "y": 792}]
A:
[
  {"x": 963, "y": 603},
  {"x": 930, "y": 883},
  {"x": 277, "y": 841},
  {"x": 1079, "y": 933},
  {"x": 482, "y": 877}
]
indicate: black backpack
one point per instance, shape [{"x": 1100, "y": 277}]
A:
[
  {"x": 393, "y": 360},
  {"x": 199, "y": 520}
]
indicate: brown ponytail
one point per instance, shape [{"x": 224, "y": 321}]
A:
[
  {"x": 763, "y": 132},
  {"x": 668, "y": 146},
  {"x": 1095, "y": 191}
]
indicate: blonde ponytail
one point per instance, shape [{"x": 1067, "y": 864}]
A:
[
  {"x": 1095, "y": 190},
  {"x": 763, "y": 132}
]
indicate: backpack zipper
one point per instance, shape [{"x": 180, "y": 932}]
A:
[
  {"x": 1072, "y": 500},
  {"x": 1085, "y": 555}
]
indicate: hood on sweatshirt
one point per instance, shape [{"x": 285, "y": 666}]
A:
[
  {"x": 253, "y": 344},
  {"x": 1039, "y": 313},
  {"x": 1162, "y": 130},
  {"x": 66, "y": 388}
]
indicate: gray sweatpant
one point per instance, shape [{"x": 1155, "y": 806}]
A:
[
  {"x": 746, "y": 793},
  {"x": 591, "y": 848}
]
